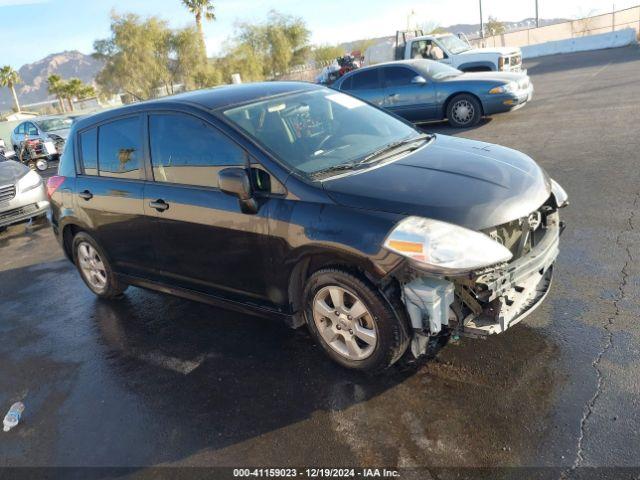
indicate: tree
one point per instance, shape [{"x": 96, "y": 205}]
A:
[
  {"x": 200, "y": 9},
  {"x": 74, "y": 88},
  {"x": 326, "y": 53},
  {"x": 9, "y": 78},
  {"x": 56, "y": 87},
  {"x": 281, "y": 42},
  {"x": 494, "y": 27},
  {"x": 144, "y": 56}
]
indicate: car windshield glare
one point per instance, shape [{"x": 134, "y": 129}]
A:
[
  {"x": 453, "y": 44},
  {"x": 319, "y": 130},
  {"x": 51, "y": 124}
]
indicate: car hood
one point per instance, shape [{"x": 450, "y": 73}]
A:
[
  {"x": 63, "y": 133},
  {"x": 487, "y": 77},
  {"x": 505, "y": 51},
  {"x": 468, "y": 183},
  {"x": 11, "y": 171}
]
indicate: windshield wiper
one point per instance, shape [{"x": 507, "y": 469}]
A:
[
  {"x": 373, "y": 156},
  {"x": 376, "y": 154}
]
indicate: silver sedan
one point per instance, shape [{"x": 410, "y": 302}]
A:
[{"x": 23, "y": 194}]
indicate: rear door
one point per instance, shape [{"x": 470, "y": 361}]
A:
[
  {"x": 110, "y": 191},
  {"x": 202, "y": 239},
  {"x": 413, "y": 101},
  {"x": 366, "y": 85}
]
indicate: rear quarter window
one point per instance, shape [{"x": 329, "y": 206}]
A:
[
  {"x": 89, "y": 151},
  {"x": 368, "y": 79}
]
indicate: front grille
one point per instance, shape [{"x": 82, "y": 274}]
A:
[
  {"x": 18, "y": 212},
  {"x": 521, "y": 235},
  {"x": 7, "y": 193}
]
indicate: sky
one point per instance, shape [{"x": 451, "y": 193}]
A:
[{"x": 74, "y": 24}]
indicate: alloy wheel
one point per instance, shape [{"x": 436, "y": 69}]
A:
[
  {"x": 92, "y": 266},
  {"x": 344, "y": 322}
]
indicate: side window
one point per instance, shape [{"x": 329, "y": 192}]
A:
[
  {"x": 365, "y": 80},
  {"x": 346, "y": 85},
  {"x": 89, "y": 151},
  {"x": 19, "y": 129},
  {"x": 398, "y": 76},
  {"x": 186, "y": 150},
  {"x": 31, "y": 129},
  {"x": 119, "y": 149},
  {"x": 419, "y": 49}
]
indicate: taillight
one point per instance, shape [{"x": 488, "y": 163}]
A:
[{"x": 53, "y": 183}]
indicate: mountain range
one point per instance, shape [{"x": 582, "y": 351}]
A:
[{"x": 33, "y": 87}]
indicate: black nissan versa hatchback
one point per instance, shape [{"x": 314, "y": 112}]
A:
[{"x": 296, "y": 201}]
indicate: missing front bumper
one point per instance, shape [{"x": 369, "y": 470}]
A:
[{"x": 484, "y": 303}]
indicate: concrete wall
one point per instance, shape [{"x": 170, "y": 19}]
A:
[
  {"x": 610, "y": 22},
  {"x": 614, "y": 39}
]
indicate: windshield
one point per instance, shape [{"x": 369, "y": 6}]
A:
[
  {"x": 436, "y": 70},
  {"x": 319, "y": 130},
  {"x": 453, "y": 44},
  {"x": 51, "y": 124}
]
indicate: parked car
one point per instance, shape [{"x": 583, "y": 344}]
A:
[
  {"x": 296, "y": 201},
  {"x": 52, "y": 131},
  {"x": 424, "y": 90},
  {"x": 446, "y": 48},
  {"x": 22, "y": 193}
]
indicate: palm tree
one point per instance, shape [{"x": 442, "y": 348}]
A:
[
  {"x": 9, "y": 78},
  {"x": 200, "y": 9},
  {"x": 56, "y": 87}
]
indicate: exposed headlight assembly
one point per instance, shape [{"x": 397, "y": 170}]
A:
[
  {"x": 30, "y": 181},
  {"x": 559, "y": 193},
  {"x": 444, "y": 248},
  {"x": 506, "y": 88}
]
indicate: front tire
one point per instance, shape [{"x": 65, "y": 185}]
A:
[
  {"x": 94, "y": 267},
  {"x": 464, "y": 111},
  {"x": 353, "y": 322}
]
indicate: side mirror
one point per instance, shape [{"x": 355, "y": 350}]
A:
[
  {"x": 235, "y": 181},
  {"x": 418, "y": 80}
]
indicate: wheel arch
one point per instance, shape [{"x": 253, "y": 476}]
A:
[
  {"x": 477, "y": 67},
  {"x": 445, "y": 105},
  {"x": 315, "y": 260}
]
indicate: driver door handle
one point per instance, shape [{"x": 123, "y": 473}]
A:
[
  {"x": 86, "y": 194},
  {"x": 160, "y": 205}
]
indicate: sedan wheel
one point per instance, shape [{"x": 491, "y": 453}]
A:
[
  {"x": 462, "y": 112},
  {"x": 344, "y": 323}
]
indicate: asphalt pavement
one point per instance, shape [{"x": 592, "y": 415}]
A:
[{"x": 155, "y": 380}]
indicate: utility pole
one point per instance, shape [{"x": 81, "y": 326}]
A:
[
  {"x": 537, "y": 16},
  {"x": 481, "y": 22}
]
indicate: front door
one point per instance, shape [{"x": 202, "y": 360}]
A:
[
  {"x": 109, "y": 193},
  {"x": 202, "y": 239},
  {"x": 404, "y": 97}
]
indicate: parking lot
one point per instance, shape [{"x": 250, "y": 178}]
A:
[{"x": 157, "y": 380}]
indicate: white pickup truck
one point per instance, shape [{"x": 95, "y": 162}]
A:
[{"x": 446, "y": 48}]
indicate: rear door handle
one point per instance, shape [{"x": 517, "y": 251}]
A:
[
  {"x": 86, "y": 194},
  {"x": 160, "y": 205}
]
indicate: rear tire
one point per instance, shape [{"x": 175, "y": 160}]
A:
[
  {"x": 94, "y": 267},
  {"x": 464, "y": 111},
  {"x": 366, "y": 333}
]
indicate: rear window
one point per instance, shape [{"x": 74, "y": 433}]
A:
[
  {"x": 119, "y": 148},
  {"x": 365, "y": 80}
]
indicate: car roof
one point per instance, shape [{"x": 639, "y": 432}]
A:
[
  {"x": 207, "y": 99},
  {"x": 417, "y": 63}
]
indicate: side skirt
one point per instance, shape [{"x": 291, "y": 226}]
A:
[{"x": 214, "y": 300}]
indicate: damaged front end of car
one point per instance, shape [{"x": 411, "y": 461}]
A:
[{"x": 489, "y": 299}]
